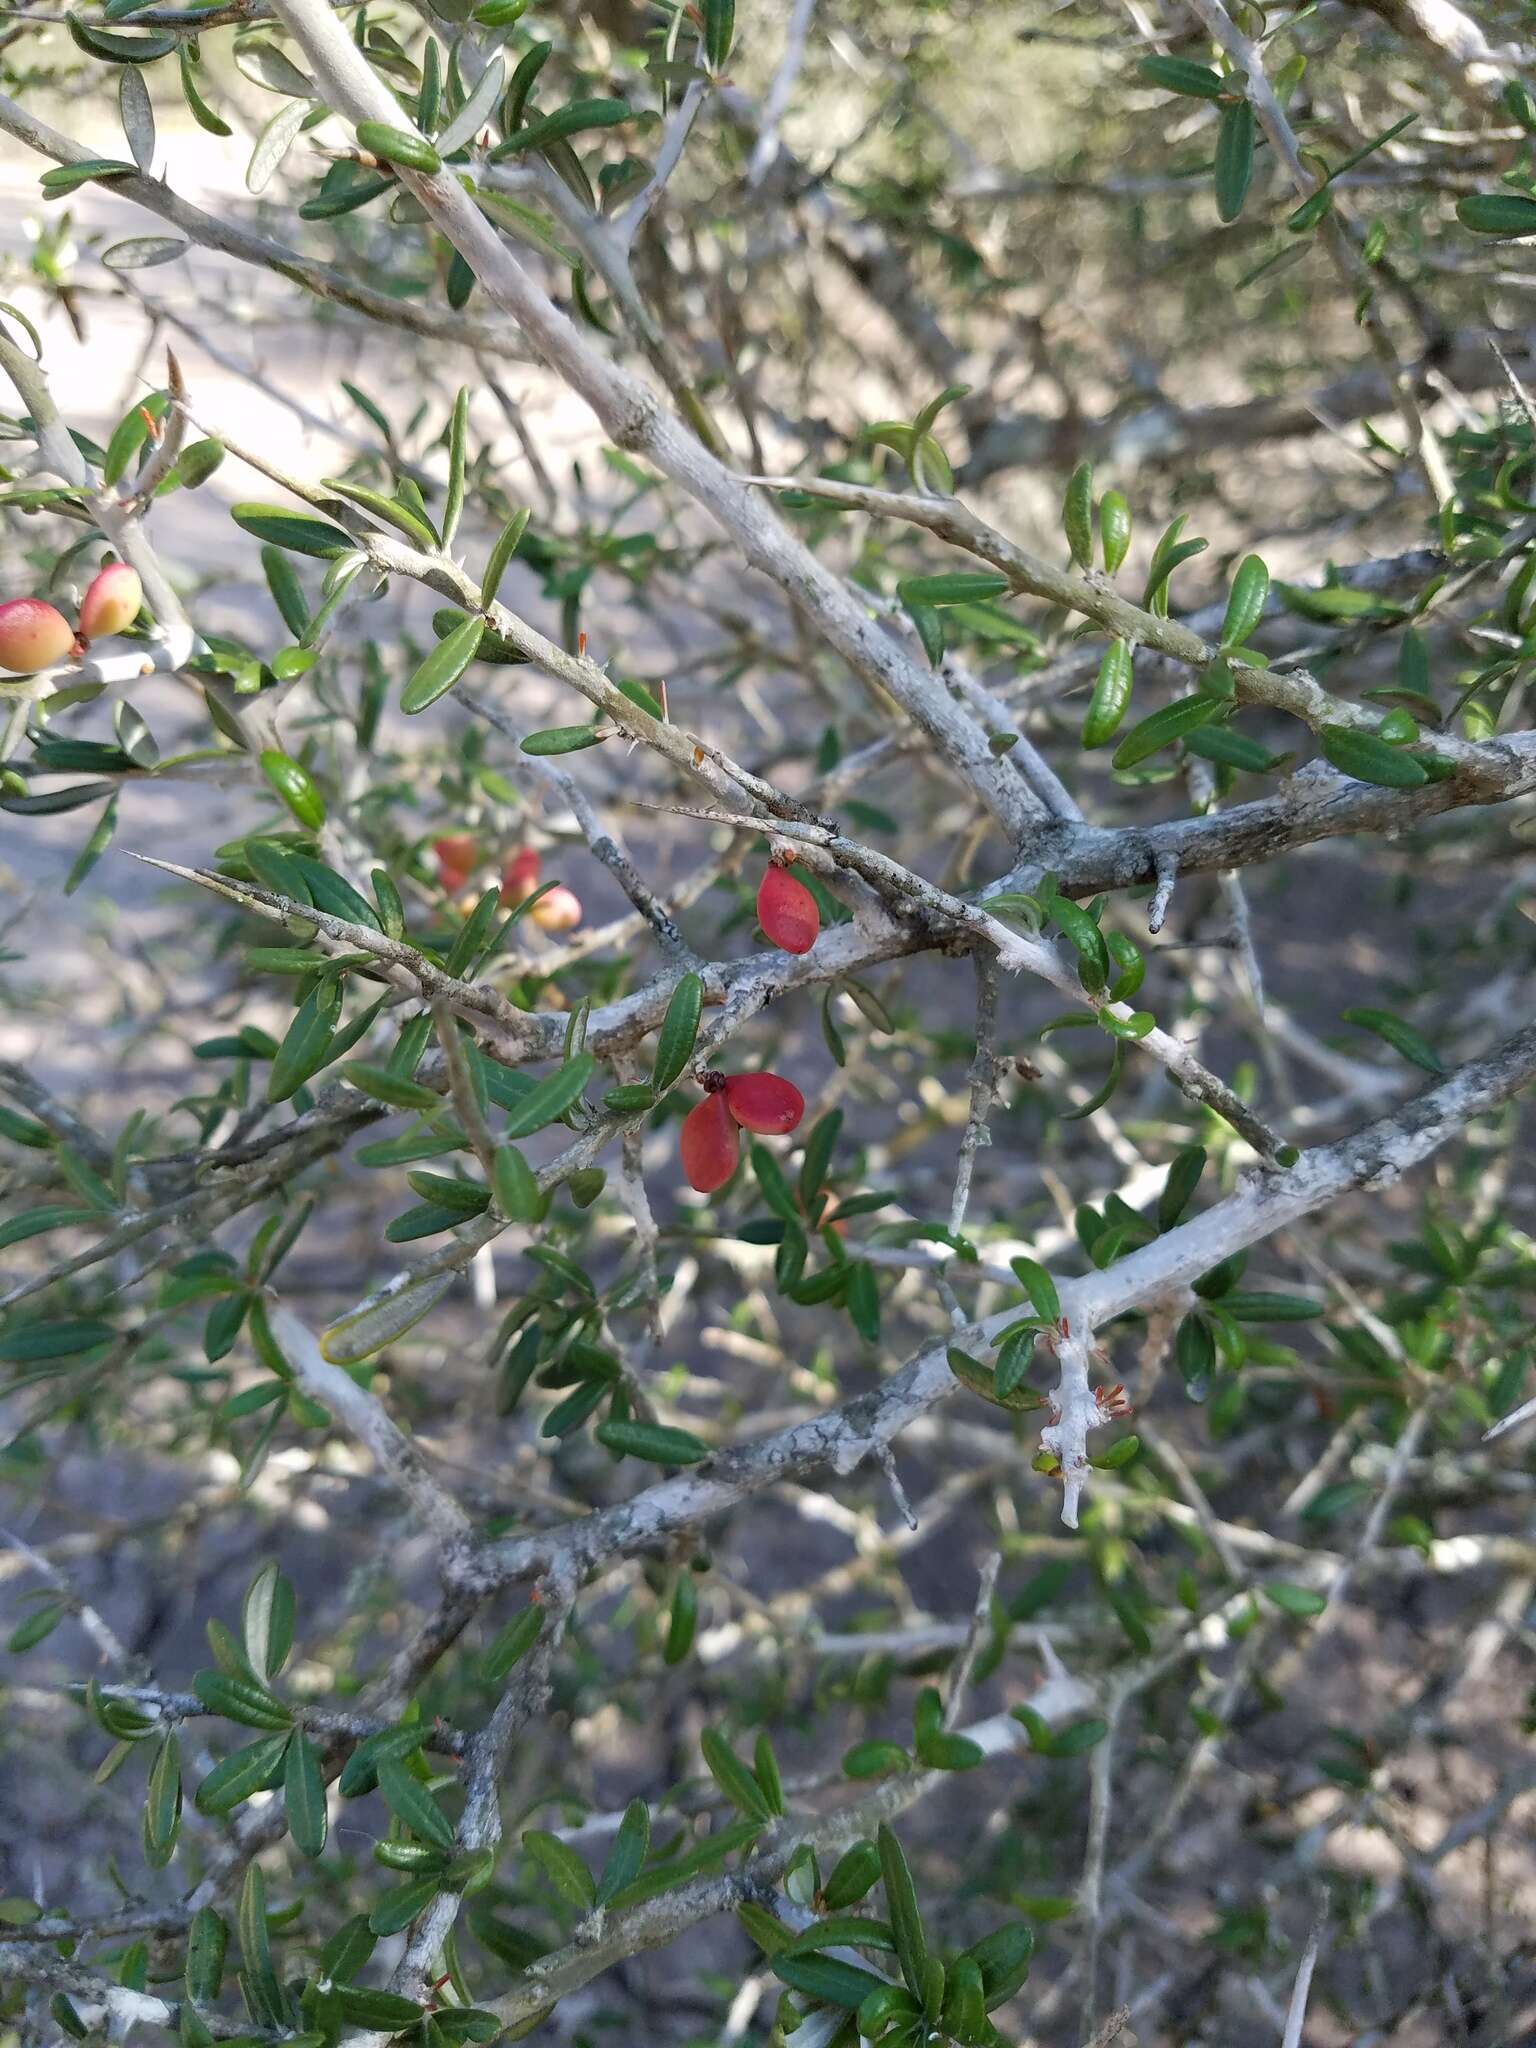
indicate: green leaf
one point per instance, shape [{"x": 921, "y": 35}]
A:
[
  {"x": 506, "y": 547},
  {"x": 239, "y": 1697},
  {"x": 277, "y": 137},
  {"x": 827, "y": 1979},
  {"x": 295, "y": 531},
  {"x": 1077, "y": 515},
  {"x": 202, "y": 113},
  {"x": 307, "y": 1041},
  {"x": 263, "y": 1993},
  {"x": 1114, "y": 529},
  {"x": 1178, "y": 74},
  {"x": 562, "y": 1866},
  {"x": 1254, "y": 1305},
  {"x": 389, "y": 510},
  {"x": 1003, "y": 1958},
  {"x": 1234, "y": 159},
  {"x": 1400, "y": 1035},
  {"x": 1111, "y": 694},
  {"x": 1164, "y": 727},
  {"x": 115, "y": 49},
  {"x": 719, "y": 31},
  {"x": 410, "y": 1801},
  {"x": 856, "y": 1872},
  {"x": 66, "y": 178},
  {"x": 1086, "y": 939},
  {"x": 679, "y": 1033},
  {"x": 654, "y": 1441},
  {"x": 1039, "y": 1286},
  {"x": 1311, "y": 211},
  {"x": 513, "y": 1643},
  {"x": 1194, "y": 1349},
  {"x": 901, "y": 1910},
  {"x": 443, "y": 667},
  {"x": 515, "y": 1188},
  {"x": 1299, "y": 1601},
  {"x": 304, "y": 1796},
  {"x": 29, "y": 1343},
  {"x": 943, "y": 1752},
  {"x": 1229, "y": 749},
  {"x": 360, "y": 1773},
  {"x": 1510, "y": 214},
  {"x": 765, "y": 1768},
  {"x": 384, "y": 1086},
  {"x": 382, "y": 2012},
  {"x": 296, "y": 786},
  {"x": 266, "y": 1621},
  {"x": 962, "y": 586},
  {"x": 551, "y": 1098},
  {"x": 1245, "y": 604},
  {"x": 563, "y": 739},
  {"x": 732, "y": 1776},
  {"x": 1178, "y": 1189},
  {"x": 395, "y": 1912},
  {"x": 574, "y": 119},
  {"x": 398, "y": 146},
  {"x": 207, "y": 1939},
  {"x": 626, "y": 1857},
  {"x": 162, "y": 1803},
  {"x": 241, "y": 1774},
  {"x": 1369, "y": 759}
]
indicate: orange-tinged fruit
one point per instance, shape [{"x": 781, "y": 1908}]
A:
[
  {"x": 557, "y": 910},
  {"x": 520, "y": 876},
  {"x": 709, "y": 1144},
  {"x": 787, "y": 911},
  {"x": 457, "y": 859},
  {"x": 112, "y": 602},
  {"x": 33, "y": 635},
  {"x": 765, "y": 1103}
]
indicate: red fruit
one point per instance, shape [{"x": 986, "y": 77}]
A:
[
  {"x": 457, "y": 859},
  {"x": 766, "y": 1103},
  {"x": 33, "y": 635},
  {"x": 520, "y": 876},
  {"x": 557, "y": 910},
  {"x": 709, "y": 1144},
  {"x": 112, "y": 603},
  {"x": 787, "y": 911}
]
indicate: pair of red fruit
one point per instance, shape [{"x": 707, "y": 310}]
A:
[
  {"x": 711, "y": 1142},
  {"x": 767, "y": 1104},
  {"x": 557, "y": 910},
  {"x": 35, "y": 634}
]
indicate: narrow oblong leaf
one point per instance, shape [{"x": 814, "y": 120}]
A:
[
  {"x": 562, "y": 739},
  {"x": 1369, "y": 759},
  {"x": 1245, "y": 604},
  {"x": 304, "y": 1796},
  {"x": 1234, "y": 159},
  {"x": 656, "y": 1442},
  {"x": 1400, "y": 1035},
  {"x": 1111, "y": 695},
  {"x": 963, "y": 586},
  {"x": 514, "y": 1642},
  {"x": 443, "y": 667},
  {"x": 410, "y": 1801},
  {"x": 732, "y": 1776},
  {"x": 627, "y": 1856},
  {"x": 679, "y": 1032},
  {"x": 1184, "y": 715},
  {"x": 551, "y": 1098}
]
